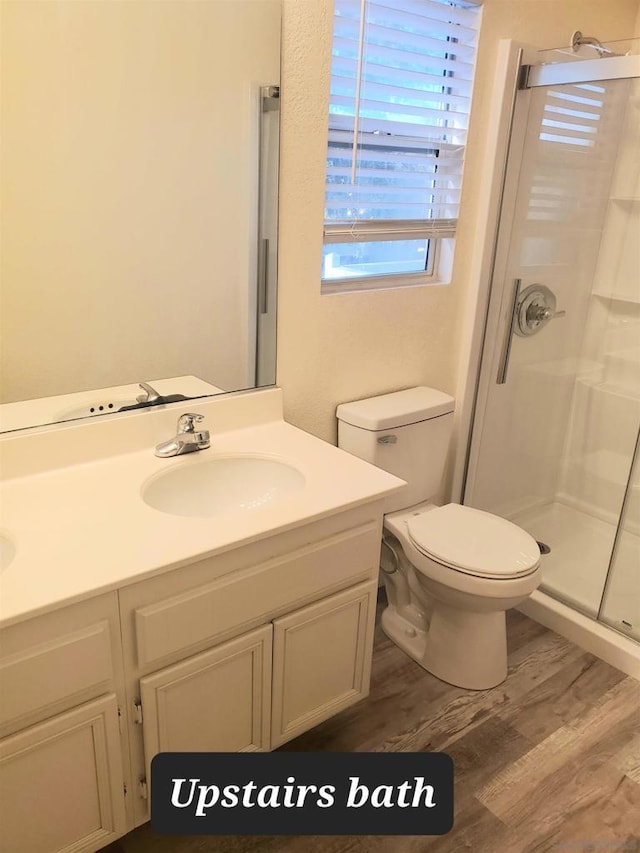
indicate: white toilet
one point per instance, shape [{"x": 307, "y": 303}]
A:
[{"x": 450, "y": 571}]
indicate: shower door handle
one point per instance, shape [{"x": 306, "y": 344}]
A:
[
  {"x": 531, "y": 310},
  {"x": 506, "y": 349},
  {"x": 263, "y": 276}
]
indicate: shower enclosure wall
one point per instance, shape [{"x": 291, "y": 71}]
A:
[{"x": 557, "y": 415}]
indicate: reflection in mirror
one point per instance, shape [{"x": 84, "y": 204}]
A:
[{"x": 139, "y": 201}]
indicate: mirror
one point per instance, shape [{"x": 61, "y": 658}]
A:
[{"x": 139, "y": 203}]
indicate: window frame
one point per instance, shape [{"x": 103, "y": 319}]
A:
[
  {"x": 440, "y": 233},
  {"x": 442, "y": 248}
]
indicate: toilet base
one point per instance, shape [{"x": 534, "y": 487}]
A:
[{"x": 463, "y": 648}]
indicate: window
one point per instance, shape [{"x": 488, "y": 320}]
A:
[{"x": 401, "y": 81}]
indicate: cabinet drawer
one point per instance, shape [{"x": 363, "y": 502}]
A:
[
  {"x": 321, "y": 660},
  {"x": 61, "y": 672},
  {"x": 207, "y": 612}
]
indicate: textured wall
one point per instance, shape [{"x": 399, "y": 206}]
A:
[{"x": 337, "y": 348}]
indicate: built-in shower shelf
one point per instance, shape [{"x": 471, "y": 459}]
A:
[
  {"x": 617, "y": 269},
  {"x": 617, "y": 389},
  {"x": 613, "y": 389},
  {"x": 631, "y": 298},
  {"x": 570, "y": 366},
  {"x": 607, "y": 465},
  {"x": 597, "y": 480},
  {"x": 601, "y": 439},
  {"x": 625, "y": 199},
  {"x": 622, "y": 367}
]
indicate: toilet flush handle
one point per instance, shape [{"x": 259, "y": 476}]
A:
[{"x": 388, "y": 439}]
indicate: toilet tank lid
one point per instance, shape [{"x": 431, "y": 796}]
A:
[{"x": 400, "y": 408}]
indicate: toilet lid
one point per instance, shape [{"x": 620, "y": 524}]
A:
[{"x": 474, "y": 542}]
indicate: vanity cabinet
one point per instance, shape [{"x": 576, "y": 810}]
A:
[
  {"x": 240, "y": 651},
  {"x": 222, "y": 700},
  {"x": 248, "y": 649},
  {"x": 62, "y": 753}
]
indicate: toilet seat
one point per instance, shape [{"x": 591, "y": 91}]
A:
[{"x": 474, "y": 542}]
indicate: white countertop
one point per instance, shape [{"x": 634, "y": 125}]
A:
[{"x": 83, "y": 529}]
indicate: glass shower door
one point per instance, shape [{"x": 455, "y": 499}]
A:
[
  {"x": 621, "y": 602},
  {"x": 558, "y": 404}
]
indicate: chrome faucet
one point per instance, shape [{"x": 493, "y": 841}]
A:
[
  {"x": 150, "y": 394},
  {"x": 188, "y": 439}
]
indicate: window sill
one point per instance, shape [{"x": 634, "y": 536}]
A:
[{"x": 379, "y": 282}]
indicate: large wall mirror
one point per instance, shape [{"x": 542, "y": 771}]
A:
[{"x": 139, "y": 203}]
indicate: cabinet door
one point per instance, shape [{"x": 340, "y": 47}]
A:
[
  {"x": 321, "y": 660},
  {"x": 61, "y": 784},
  {"x": 217, "y": 701}
]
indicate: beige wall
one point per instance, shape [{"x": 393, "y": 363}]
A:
[{"x": 337, "y": 348}]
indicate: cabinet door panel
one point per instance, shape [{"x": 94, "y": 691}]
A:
[
  {"x": 217, "y": 701},
  {"x": 61, "y": 784},
  {"x": 322, "y": 660}
]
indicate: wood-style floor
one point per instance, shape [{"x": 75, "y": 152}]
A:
[{"x": 547, "y": 761}]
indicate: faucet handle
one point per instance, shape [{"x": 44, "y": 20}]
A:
[
  {"x": 150, "y": 394},
  {"x": 188, "y": 421}
]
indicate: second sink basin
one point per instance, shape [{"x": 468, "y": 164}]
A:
[
  {"x": 7, "y": 552},
  {"x": 196, "y": 487}
]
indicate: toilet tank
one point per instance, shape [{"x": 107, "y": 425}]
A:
[{"x": 406, "y": 433}]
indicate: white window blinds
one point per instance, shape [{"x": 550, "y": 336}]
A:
[{"x": 401, "y": 83}]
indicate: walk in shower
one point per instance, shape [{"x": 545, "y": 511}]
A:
[{"x": 555, "y": 439}]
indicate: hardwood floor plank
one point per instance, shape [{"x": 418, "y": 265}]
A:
[
  {"x": 618, "y": 703},
  {"x": 627, "y": 759},
  {"x": 614, "y": 818},
  {"x": 573, "y": 792},
  {"x": 576, "y": 805},
  {"x": 483, "y": 752},
  {"x": 561, "y": 698},
  {"x": 476, "y": 830},
  {"x": 613, "y": 718}
]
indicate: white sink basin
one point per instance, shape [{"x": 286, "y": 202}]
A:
[
  {"x": 7, "y": 552},
  {"x": 195, "y": 487}
]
